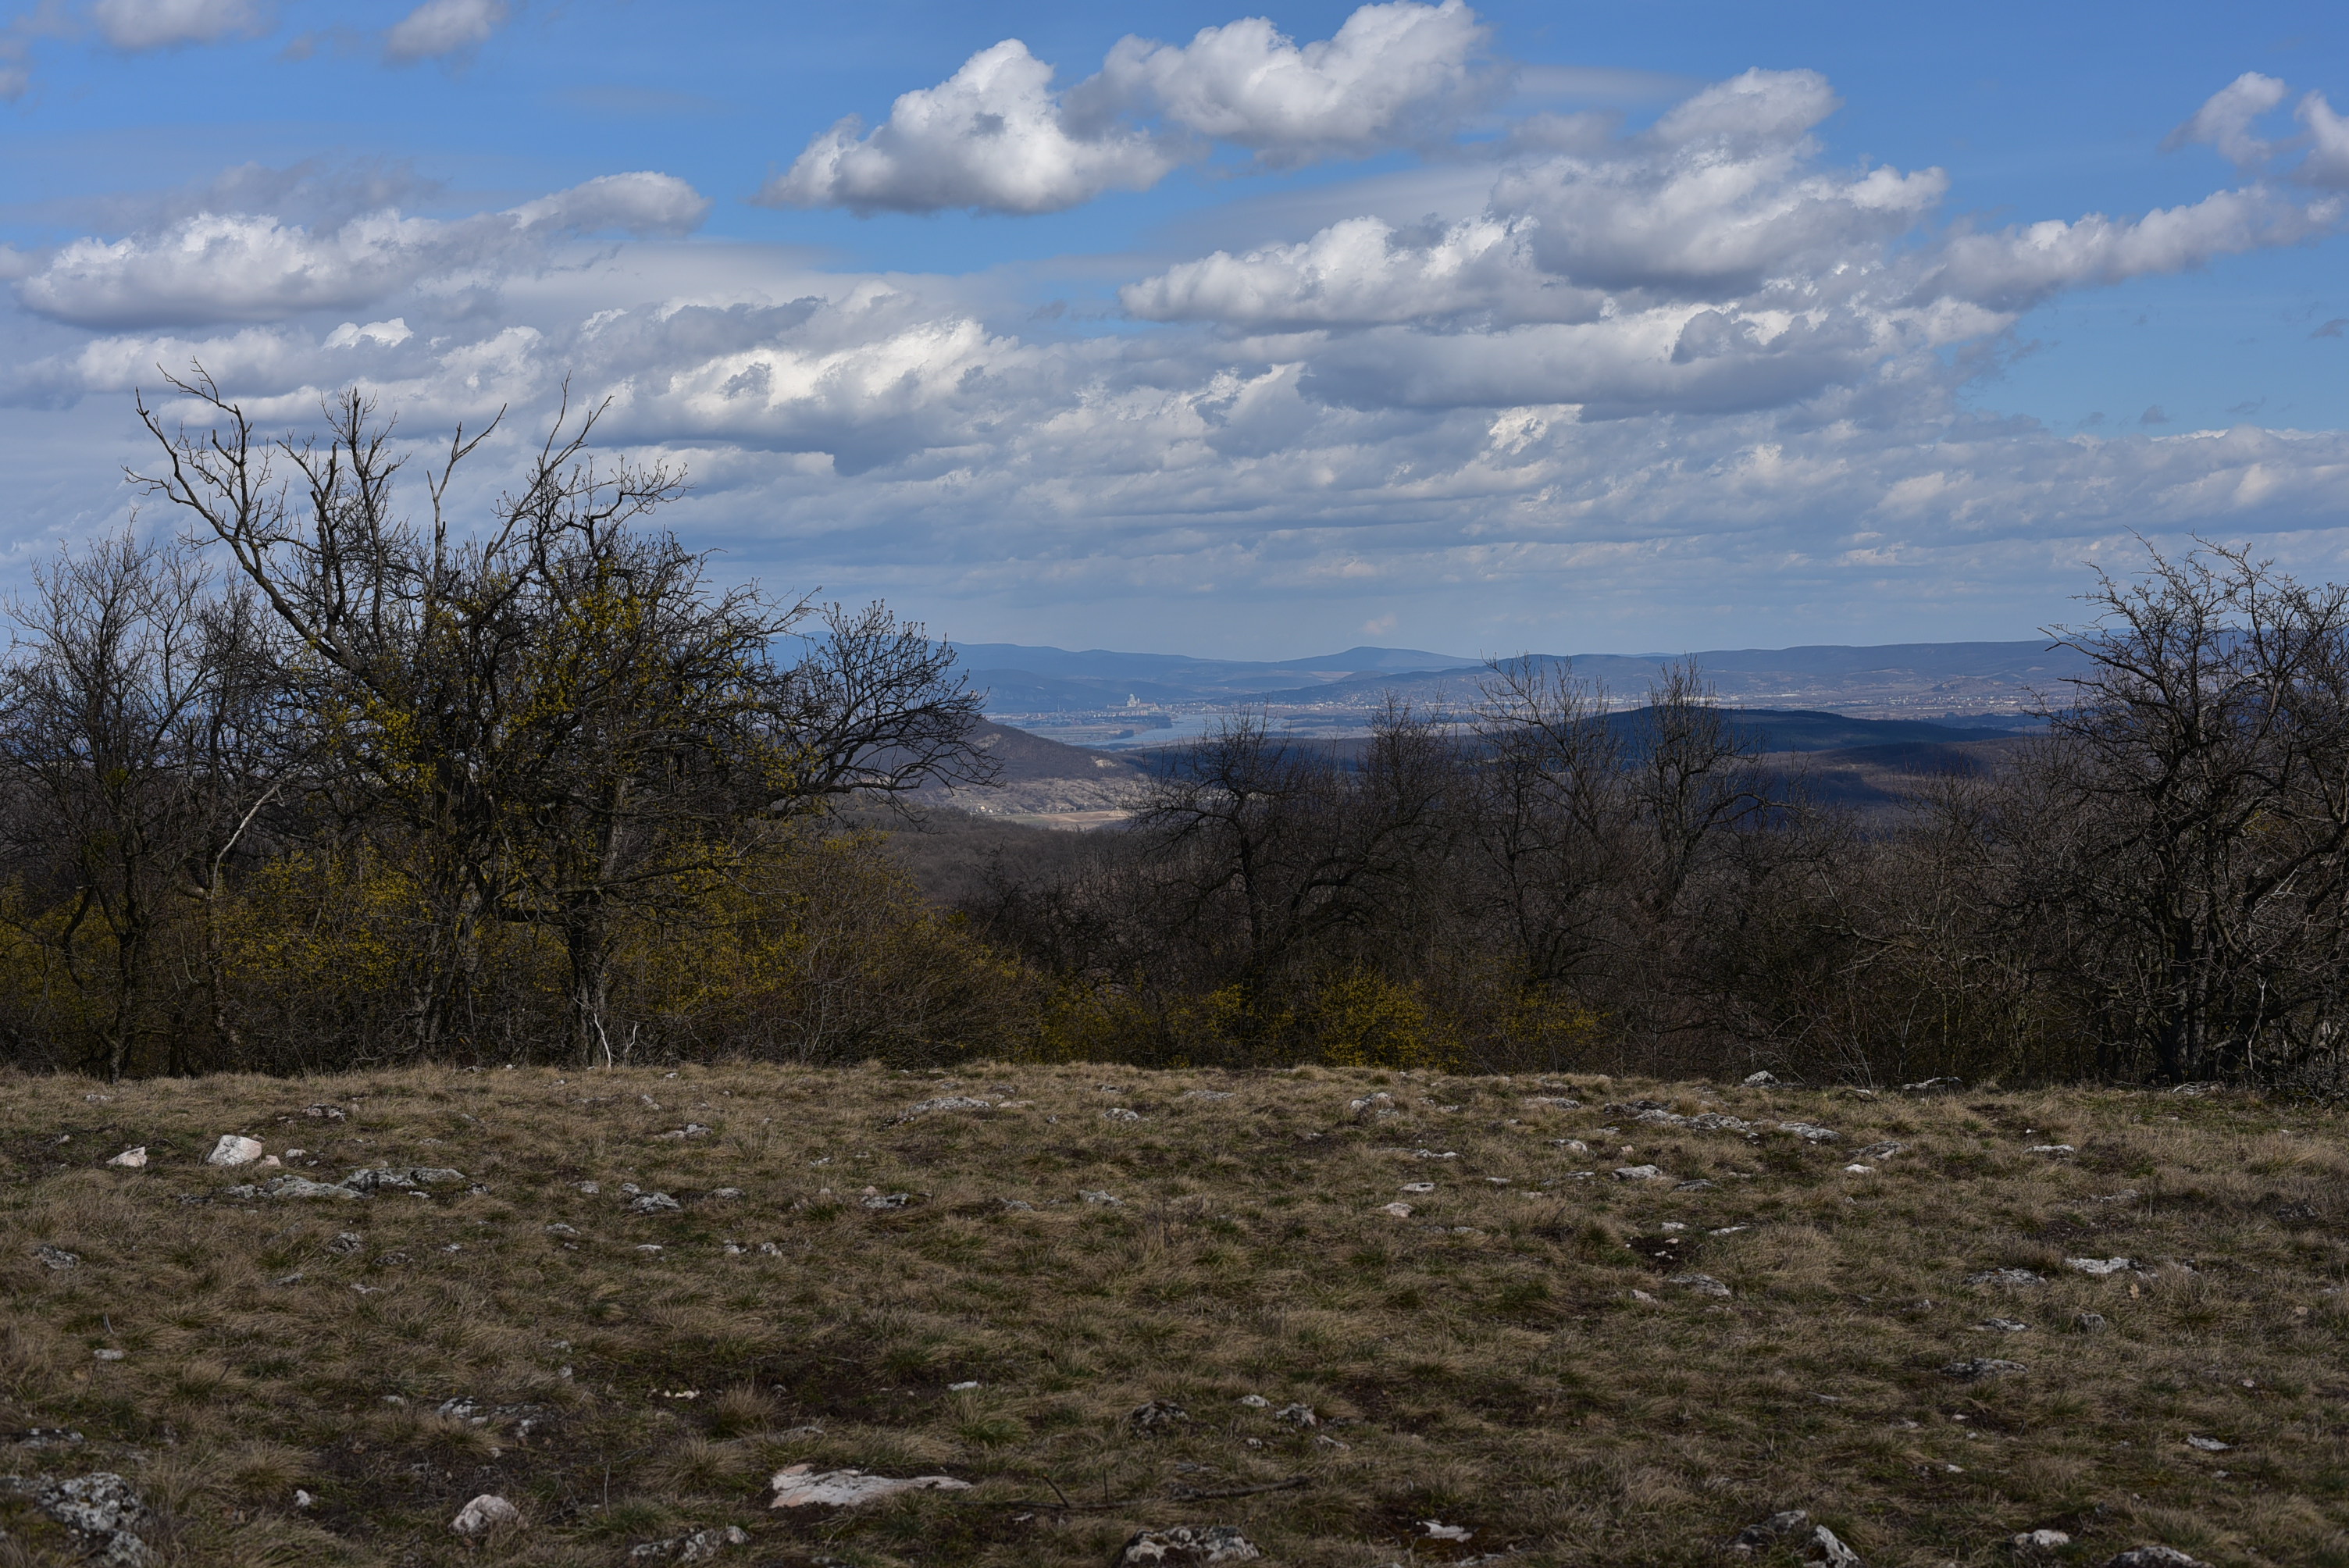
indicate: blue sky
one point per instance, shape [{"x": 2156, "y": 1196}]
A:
[{"x": 1479, "y": 328}]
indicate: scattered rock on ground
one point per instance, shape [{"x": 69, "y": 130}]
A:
[
  {"x": 2207, "y": 1445},
  {"x": 101, "y": 1507},
  {"x": 2100, "y": 1266},
  {"x": 1370, "y": 1105},
  {"x": 1883, "y": 1150},
  {"x": 1810, "y": 1131},
  {"x": 1702, "y": 1284},
  {"x": 1759, "y": 1080},
  {"x": 301, "y": 1187},
  {"x": 2006, "y": 1277},
  {"x": 654, "y": 1203},
  {"x": 1103, "y": 1198},
  {"x": 1157, "y": 1416},
  {"x": 1186, "y": 1545},
  {"x": 2153, "y": 1557},
  {"x": 1825, "y": 1547},
  {"x": 2088, "y": 1322},
  {"x": 1767, "y": 1533},
  {"x": 2003, "y": 1325},
  {"x": 232, "y": 1149},
  {"x": 1637, "y": 1173},
  {"x": 1121, "y": 1113},
  {"x": 888, "y": 1200},
  {"x": 1296, "y": 1416},
  {"x": 56, "y": 1257},
  {"x": 2032, "y": 1541},
  {"x": 944, "y": 1102},
  {"x": 130, "y": 1159},
  {"x": 486, "y": 1512},
  {"x": 698, "y": 1547},
  {"x": 1974, "y": 1369},
  {"x": 802, "y": 1486},
  {"x": 1399, "y": 1211}
]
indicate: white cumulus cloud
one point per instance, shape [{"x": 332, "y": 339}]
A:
[
  {"x": 137, "y": 25},
  {"x": 215, "y": 266},
  {"x": 439, "y": 28},
  {"x": 998, "y": 136},
  {"x": 1392, "y": 74},
  {"x": 990, "y": 135}
]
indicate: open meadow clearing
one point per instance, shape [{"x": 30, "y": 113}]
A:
[{"x": 1359, "y": 1317}]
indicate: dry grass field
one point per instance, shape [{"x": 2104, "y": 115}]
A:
[{"x": 1562, "y": 1366}]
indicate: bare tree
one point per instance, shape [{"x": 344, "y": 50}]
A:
[
  {"x": 132, "y": 752},
  {"x": 552, "y": 718}
]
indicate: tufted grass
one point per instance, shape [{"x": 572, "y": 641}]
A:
[{"x": 1484, "y": 1362}]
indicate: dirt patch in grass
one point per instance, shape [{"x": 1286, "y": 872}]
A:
[{"x": 1537, "y": 1352}]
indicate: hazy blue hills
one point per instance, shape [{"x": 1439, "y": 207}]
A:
[{"x": 1952, "y": 677}]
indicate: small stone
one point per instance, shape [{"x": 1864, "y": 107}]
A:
[
  {"x": 1296, "y": 1416},
  {"x": 1433, "y": 1530},
  {"x": 100, "y": 1507},
  {"x": 1399, "y": 1211},
  {"x": 1768, "y": 1532},
  {"x": 1370, "y": 1105},
  {"x": 945, "y": 1102},
  {"x": 1121, "y": 1113},
  {"x": 2153, "y": 1557},
  {"x": 803, "y": 1486},
  {"x": 1186, "y": 1546},
  {"x": 1256, "y": 1401},
  {"x": 727, "y": 1192},
  {"x": 560, "y": 1229},
  {"x": 130, "y": 1159},
  {"x": 1702, "y": 1284},
  {"x": 1859, "y": 1170},
  {"x": 302, "y": 1187},
  {"x": 232, "y": 1149},
  {"x": 2207, "y": 1445},
  {"x": 1644, "y": 1296},
  {"x": 698, "y": 1547},
  {"x": 1100, "y": 1198},
  {"x": 1827, "y": 1549},
  {"x": 2036, "y": 1540},
  {"x": 2011, "y": 1277},
  {"x": 1417, "y": 1187},
  {"x": 1697, "y": 1186},
  {"x": 1157, "y": 1416},
  {"x": 2051, "y": 1149},
  {"x": 345, "y": 1243},
  {"x": 486, "y": 1512},
  {"x": 690, "y": 1130},
  {"x": 1809, "y": 1131},
  {"x": 108, "y": 1355},
  {"x": 962, "y": 1388},
  {"x": 2003, "y": 1325},
  {"x": 56, "y": 1257},
  {"x": 1758, "y": 1080},
  {"x": 1883, "y": 1150},
  {"x": 1926, "y": 1086},
  {"x": 1637, "y": 1173},
  {"x": 2100, "y": 1266},
  {"x": 2088, "y": 1323},
  {"x": 888, "y": 1200},
  {"x": 654, "y": 1203},
  {"x": 304, "y": 1499},
  {"x": 1975, "y": 1368}
]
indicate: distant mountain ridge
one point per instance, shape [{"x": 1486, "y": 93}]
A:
[{"x": 1939, "y": 678}]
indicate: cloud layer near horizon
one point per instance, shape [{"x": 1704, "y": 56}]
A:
[{"x": 1697, "y": 345}]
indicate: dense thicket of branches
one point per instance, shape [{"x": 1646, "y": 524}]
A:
[
  {"x": 324, "y": 782},
  {"x": 2158, "y": 887},
  {"x": 327, "y": 783}
]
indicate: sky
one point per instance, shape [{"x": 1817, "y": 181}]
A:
[{"x": 1189, "y": 327}]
